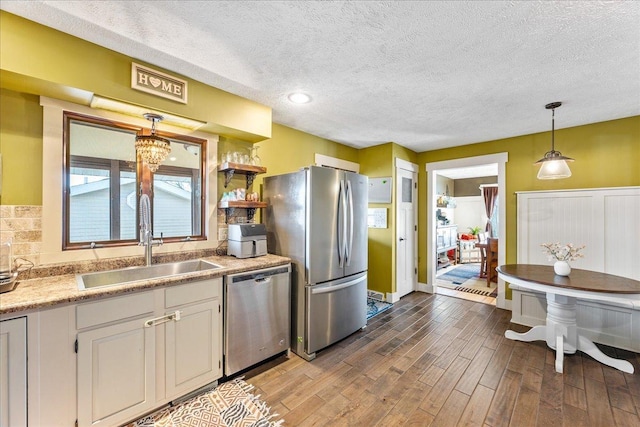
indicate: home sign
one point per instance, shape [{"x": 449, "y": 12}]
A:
[{"x": 158, "y": 83}]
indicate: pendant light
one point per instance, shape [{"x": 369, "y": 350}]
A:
[
  {"x": 153, "y": 149},
  {"x": 553, "y": 164}
]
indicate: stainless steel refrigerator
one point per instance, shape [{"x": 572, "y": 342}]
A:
[{"x": 318, "y": 218}]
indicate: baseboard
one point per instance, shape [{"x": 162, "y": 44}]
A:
[
  {"x": 423, "y": 287},
  {"x": 392, "y": 297}
]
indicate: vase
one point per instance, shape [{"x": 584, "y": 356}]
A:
[{"x": 562, "y": 268}]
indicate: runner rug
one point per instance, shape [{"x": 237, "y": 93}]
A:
[
  {"x": 375, "y": 307},
  {"x": 229, "y": 405},
  {"x": 478, "y": 287}
]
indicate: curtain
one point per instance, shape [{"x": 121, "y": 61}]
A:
[{"x": 490, "y": 195}]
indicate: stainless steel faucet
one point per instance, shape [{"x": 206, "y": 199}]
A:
[{"x": 146, "y": 234}]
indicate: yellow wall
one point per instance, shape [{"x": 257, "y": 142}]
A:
[
  {"x": 376, "y": 162},
  {"x": 21, "y": 148},
  {"x": 606, "y": 154},
  {"x": 40, "y": 60},
  {"x": 289, "y": 150}
]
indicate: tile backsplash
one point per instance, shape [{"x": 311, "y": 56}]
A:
[{"x": 22, "y": 225}]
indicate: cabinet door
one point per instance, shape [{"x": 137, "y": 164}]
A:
[
  {"x": 193, "y": 348},
  {"x": 13, "y": 372},
  {"x": 453, "y": 236},
  {"x": 440, "y": 243},
  {"x": 116, "y": 373}
]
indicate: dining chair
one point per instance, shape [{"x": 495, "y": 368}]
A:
[
  {"x": 492, "y": 260},
  {"x": 482, "y": 246}
]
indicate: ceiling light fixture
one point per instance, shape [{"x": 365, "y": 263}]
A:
[
  {"x": 153, "y": 149},
  {"x": 299, "y": 98},
  {"x": 553, "y": 164}
]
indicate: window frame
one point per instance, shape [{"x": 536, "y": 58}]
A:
[{"x": 144, "y": 182}]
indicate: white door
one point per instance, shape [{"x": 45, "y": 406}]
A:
[
  {"x": 193, "y": 348},
  {"x": 116, "y": 373},
  {"x": 13, "y": 372},
  {"x": 406, "y": 229}
]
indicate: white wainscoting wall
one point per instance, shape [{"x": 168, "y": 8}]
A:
[{"x": 607, "y": 221}]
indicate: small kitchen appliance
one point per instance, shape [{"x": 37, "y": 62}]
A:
[
  {"x": 7, "y": 278},
  {"x": 247, "y": 240}
]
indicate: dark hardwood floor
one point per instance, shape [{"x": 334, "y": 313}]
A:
[{"x": 443, "y": 361}]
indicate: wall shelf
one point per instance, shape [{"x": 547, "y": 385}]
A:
[
  {"x": 251, "y": 207},
  {"x": 230, "y": 169},
  {"x": 250, "y": 171}
]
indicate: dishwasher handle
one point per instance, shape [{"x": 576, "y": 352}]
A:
[
  {"x": 262, "y": 279},
  {"x": 262, "y": 274}
]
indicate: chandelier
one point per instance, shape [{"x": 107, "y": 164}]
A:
[
  {"x": 153, "y": 149},
  {"x": 553, "y": 164}
]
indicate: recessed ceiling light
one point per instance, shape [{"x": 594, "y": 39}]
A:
[{"x": 299, "y": 98}]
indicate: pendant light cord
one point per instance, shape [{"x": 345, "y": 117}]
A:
[{"x": 553, "y": 129}]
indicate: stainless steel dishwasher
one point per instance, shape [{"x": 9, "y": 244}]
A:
[{"x": 257, "y": 316}]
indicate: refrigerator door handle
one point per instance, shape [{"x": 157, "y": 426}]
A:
[
  {"x": 342, "y": 224},
  {"x": 327, "y": 289},
  {"x": 350, "y": 244}
]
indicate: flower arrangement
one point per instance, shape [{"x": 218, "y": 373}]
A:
[{"x": 558, "y": 252}]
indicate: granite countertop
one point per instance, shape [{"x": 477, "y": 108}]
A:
[{"x": 49, "y": 291}]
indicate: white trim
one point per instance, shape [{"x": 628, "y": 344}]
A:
[
  {"x": 468, "y": 161},
  {"x": 52, "y": 187},
  {"x": 423, "y": 287},
  {"x": 403, "y": 164},
  {"x": 632, "y": 187},
  {"x": 392, "y": 297},
  {"x": 501, "y": 159},
  {"x": 333, "y": 162},
  {"x": 413, "y": 169}
]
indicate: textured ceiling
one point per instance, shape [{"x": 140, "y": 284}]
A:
[{"x": 425, "y": 75}]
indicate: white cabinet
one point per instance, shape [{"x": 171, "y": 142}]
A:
[
  {"x": 193, "y": 345},
  {"x": 140, "y": 351},
  {"x": 116, "y": 359},
  {"x": 13, "y": 372},
  {"x": 116, "y": 377}
]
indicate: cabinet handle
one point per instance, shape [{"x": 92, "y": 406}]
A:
[{"x": 162, "y": 319}]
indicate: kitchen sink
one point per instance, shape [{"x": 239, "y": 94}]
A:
[{"x": 134, "y": 274}]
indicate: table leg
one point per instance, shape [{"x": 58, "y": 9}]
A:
[
  {"x": 537, "y": 333},
  {"x": 587, "y": 346},
  {"x": 561, "y": 332}
]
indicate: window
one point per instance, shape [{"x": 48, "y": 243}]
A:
[{"x": 103, "y": 180}]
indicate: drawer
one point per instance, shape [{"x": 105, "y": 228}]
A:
[
  {"x": 192, "y": 292},
  {"x": 113, "y": 309}
]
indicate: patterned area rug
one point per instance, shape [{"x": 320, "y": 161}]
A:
[
  {"x": 478, "y": 287},
  {"x": 228, "y": 405},
  {"x": 465, "y": 278},
  {"x": 461, "y": 273},
  {"x": 375, "y": 307}
]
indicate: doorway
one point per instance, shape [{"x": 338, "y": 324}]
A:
[
  {"x": 406, "y": 227},
  {"x": 433, "y": 169}
]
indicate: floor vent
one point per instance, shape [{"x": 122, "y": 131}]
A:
[{"x": 375, "y": 295}]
